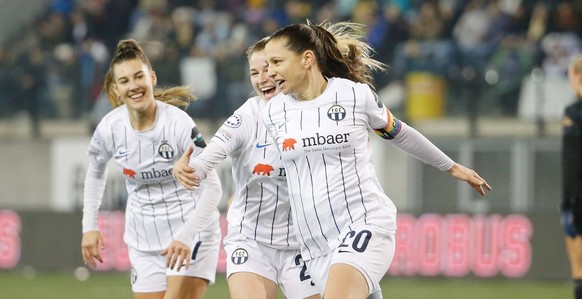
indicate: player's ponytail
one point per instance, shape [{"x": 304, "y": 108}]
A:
[{"x": 339, "y": 49}]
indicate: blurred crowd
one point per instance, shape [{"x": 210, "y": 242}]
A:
[{"x": 480, "y": 49}]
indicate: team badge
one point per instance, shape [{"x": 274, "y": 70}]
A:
[
  {"x": 239, "y": 256},
  {"x": 336, "y": 113},
  {"x": 133, "y": 275},
  {"x": 234, "y": 121},
  {"x": 165, "y": 150}
]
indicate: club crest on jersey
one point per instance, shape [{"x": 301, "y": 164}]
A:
[
  {"x": 239, "y": 256},
  {"x": 336, "y": 113},
  {"x": 165, "y": 150},
  {"x": 234, "y": 121}
]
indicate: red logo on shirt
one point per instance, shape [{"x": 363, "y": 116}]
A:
[
  {"x": 263, "y": 169},
  {"x": 129, "y": 173},
  {"x": 289, "y": 144}
]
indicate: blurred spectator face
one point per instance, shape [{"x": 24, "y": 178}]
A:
[
  {"x": 575, "y": 78},
  {"x": 364, "y": 12},
  {"x": 134, "y": 82},
  {"x": 263, "y": 86}
]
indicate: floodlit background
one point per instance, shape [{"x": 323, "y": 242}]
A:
[{"x": 485, "y": 80}]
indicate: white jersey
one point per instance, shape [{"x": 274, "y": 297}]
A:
[
  {"x": 260, "y": 209},
  {"x": 324, "y": 145},
  {"x": 157, "y": 206}
]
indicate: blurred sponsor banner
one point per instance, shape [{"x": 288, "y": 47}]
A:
[{"x": 452, "y": 245}]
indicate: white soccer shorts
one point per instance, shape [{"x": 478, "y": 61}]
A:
[
  {"x": 368, "y": 248},
  {"x": 284, "y": 267}
]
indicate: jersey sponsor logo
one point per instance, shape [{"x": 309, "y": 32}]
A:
[
  {"x": 263, "y": 169},
  {"x": 129, "y": 173},
  {"x": 196, "y": 137},
  {"x": 234, "y": 121},
  {"x": 166, "y": 151},
  {"x": 289, "y": 144},
  {"x": 156, "y": 174},
  {"x": 336, "y": 113},
  {"x": 239, "y": 256},
  {"x": 258, "y": 145},
  {"x": 325, "y": 139}
]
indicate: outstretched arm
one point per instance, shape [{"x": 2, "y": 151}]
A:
[
  {"x": 470, "y": 176},
  {"x": 414, "y": 143}
]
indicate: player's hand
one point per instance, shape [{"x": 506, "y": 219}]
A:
[
  {"x": 185, "y": 174},
  {"x": 177, "y": 253},
  {"x": 471, "y": 177},
  {"x": 567, "y": 221},
  {"x": 91, "y": 245}
]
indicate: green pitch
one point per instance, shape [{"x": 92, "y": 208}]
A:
[{"x": 64, "y": 285}]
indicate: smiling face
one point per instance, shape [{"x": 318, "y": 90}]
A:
[
  {"x": 263, "y": 85},
  {"x": 134, "y": 82},
  {"x": 286, "y": 68}
]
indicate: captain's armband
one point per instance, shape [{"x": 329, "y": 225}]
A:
[{"x": 392, "y": 127}]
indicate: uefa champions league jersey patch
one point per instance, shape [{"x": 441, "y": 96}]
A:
[
  {"x": 239, "y": 256},
  {"x": 234, "y": 121},
  {"x": 165, "y": 150},
  {"x": 96, "y": 137},
  {"x": 336, "y": 113}
]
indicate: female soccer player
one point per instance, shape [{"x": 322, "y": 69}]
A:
[
  {"x": 571, "y": 204},
  {"x": 261, "y": 246},
  {"x": 320, "y": 123},
  {"x": 173, "y": 241}
]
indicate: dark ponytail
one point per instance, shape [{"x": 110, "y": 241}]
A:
[{"x": 339, "y": 49}]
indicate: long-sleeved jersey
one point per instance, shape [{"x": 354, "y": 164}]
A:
[
  {"x": 324, "y": 145},
  {"x": 158, "y": 208},
  {"x": 260, "y": 209}
]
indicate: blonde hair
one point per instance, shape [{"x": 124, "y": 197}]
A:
[
  {"x": 339, "y": 48},
  {"x": 577, "y": 64},
  {"x": 129, "y": 49}
]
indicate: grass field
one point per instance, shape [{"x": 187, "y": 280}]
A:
[{"x": 14, "y": 285}]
